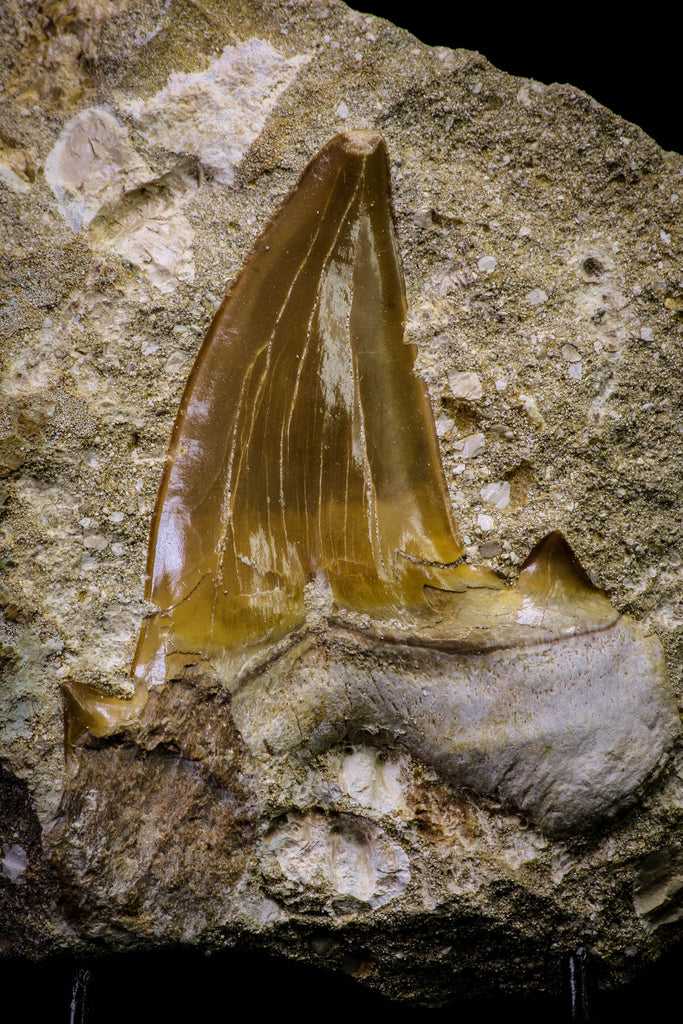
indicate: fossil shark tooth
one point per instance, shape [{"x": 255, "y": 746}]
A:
[
  {"x": 305, "y": 444},
  {"x": 303, "y": 549},
  {"x": 555, "y": 582},
  {"x": 552, "y": 598},
  {"x": 86, "y": 707}
]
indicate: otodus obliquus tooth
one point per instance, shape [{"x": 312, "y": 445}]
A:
[{"x": 303, "y": 547}]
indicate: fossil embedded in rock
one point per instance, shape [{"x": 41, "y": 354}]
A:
[
  {"x": 305, "y": 445},
  {"x": 303, "y": 535}
]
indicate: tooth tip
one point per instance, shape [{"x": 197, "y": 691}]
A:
[
  {"x": 552, "y": 559},
  {"x": 74, "y": 725},
  {"x": 359, "y": 143},
  {"x": 88, "y": 709}
]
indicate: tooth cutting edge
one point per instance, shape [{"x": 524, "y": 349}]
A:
[{"x": 303, "y": 538}]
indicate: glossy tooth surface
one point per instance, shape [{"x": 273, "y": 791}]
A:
[
  {"x": 305, "y": 444},
  {"x": 303, "y": 553}
]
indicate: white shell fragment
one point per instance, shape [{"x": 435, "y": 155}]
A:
[
  {"x": 14, "y": 862},
  {"x": 487, "y": 264},
  {"x": 571, "y": 354},
  {"x": 471, "y": 446},
  {"x": 466, "y": 385},
  {"x": 337, "y": 865},
  {"x": 93, "y": 163},
  {"x": 497, "y": 494},
  {"x": 217, "y": 113}
]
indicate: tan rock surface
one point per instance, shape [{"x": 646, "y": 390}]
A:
[{"x": 541, "y": 243}]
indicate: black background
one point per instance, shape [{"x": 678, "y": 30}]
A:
[
  {"x": 630, "y": 62},
  {"x": 187, "y": 987}
]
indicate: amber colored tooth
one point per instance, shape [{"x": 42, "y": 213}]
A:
[
  {"x": 305, "y": 449},
  {"x": 304, "y": 444},
  {"x": 553, "y": 578},
  {"x": 552, "y": 598},
  {"x": 552, "y": 564},
  {"x": 87, "y": 708}
]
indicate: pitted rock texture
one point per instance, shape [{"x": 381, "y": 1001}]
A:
[{"x": 541, "y": 244}]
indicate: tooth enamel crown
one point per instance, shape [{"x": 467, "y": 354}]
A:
[{"x": 303, "y": 497}]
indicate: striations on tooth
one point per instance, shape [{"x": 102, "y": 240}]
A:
[{"x": 304, "y": 554}]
